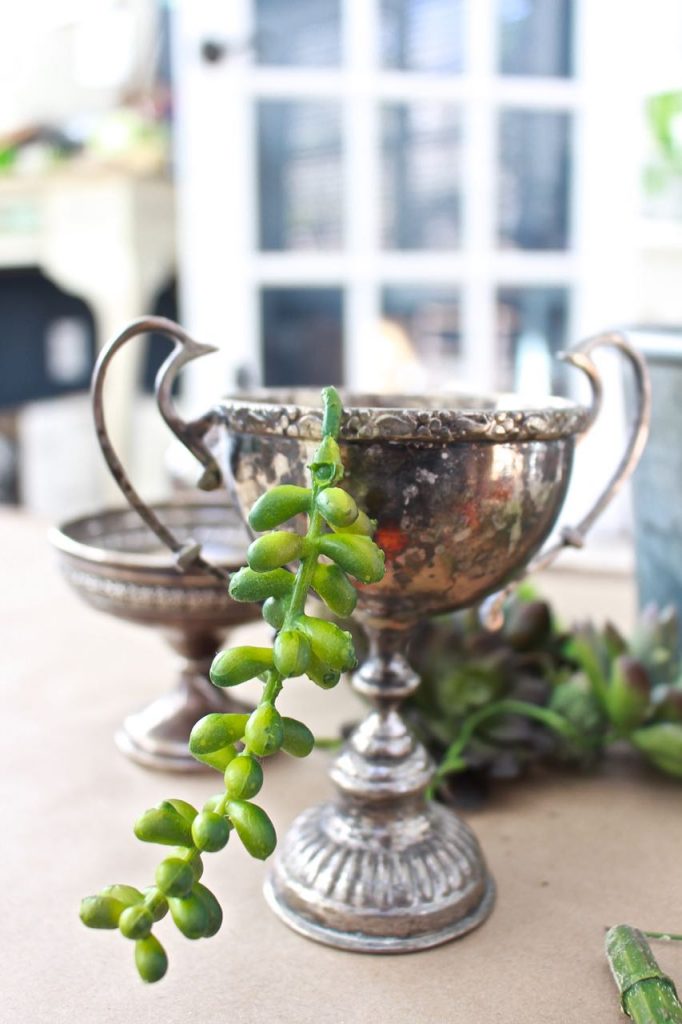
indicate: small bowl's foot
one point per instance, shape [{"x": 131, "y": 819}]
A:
[
  {"x": 158, "y": 735},
  {"x": 171, "y": 757}
]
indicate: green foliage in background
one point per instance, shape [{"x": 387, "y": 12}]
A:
[
  {"x": 664, "y": 122},
  {"x": 493, "y": 703}
]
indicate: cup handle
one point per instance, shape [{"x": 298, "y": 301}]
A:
[
  {"x": 574, "y": 536},
  {"x": 191, "y": 434}
]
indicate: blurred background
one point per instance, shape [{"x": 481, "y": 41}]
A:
[{"x": 388, "y": 194}]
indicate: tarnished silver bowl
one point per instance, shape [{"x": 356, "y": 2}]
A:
[
  {"x": 465, "y": 487},
  {"x": 116, "y": 564}
]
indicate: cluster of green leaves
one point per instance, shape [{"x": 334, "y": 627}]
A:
[
  {"x": 494, "y": 702},
  {"x": 465, "y": 670},
  {"x": 235, "y": 744},
  {"x": 627, "y": 689}
]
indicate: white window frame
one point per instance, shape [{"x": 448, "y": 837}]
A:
[{"x": 222, "y": 270}]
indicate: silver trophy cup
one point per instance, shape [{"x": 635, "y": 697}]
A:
[{"x": 466, "y": 490}]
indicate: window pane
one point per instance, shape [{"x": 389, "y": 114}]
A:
[
  {"x": 428, "y": 318},
  {"x": 302, "y": 336},
  {"x": 534, "y": 184},
  {"x": 531, "y": 329},
  {"x": 421, "y": 152},
  {"x": 535, "y": 37},
  {"x": 420, "y": 335},
  {"x": 299, "y": 168},
  {"x": 422, "y": 35},
  {"x": 303, "y": 33}
]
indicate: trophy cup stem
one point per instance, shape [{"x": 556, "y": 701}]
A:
[
  {"x": 157, "y": 736},
  {"x": 381, "y": 869}
]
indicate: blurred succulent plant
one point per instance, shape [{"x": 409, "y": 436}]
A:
[
  {"x": 493, "y": 703},
  {"x": 466, "y": 668}
]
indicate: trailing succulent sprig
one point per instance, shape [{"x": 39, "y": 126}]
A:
[{"x": 235, "y": 744}]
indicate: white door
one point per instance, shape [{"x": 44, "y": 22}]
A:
[{"x": 402, "y": 193}]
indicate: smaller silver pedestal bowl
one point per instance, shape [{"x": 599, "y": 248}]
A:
[{"x": 115, "y": 563}]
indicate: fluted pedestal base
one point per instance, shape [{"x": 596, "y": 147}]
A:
[
  {"x": 395, "y": 885},
  {"x": 381, "y": 869}
]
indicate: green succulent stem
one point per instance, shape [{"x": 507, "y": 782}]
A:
[
  {"x": 333, "y": 410},
  {"x": 453, "y": 762},
  {"x": 155, "y": 898},
  {"x": 663, "y": 936},
  {"x": 329, "y": 742},
  {"x": 271, "y": 690},
  {"x": 306, "y": 568}
]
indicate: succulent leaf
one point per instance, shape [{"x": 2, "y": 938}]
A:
[
  {"x": 247, "y": 585},
  {"x": 291, "y": 652},
  {"x": 253, "y": 827},
  {"x": 274, "y": 550},
  {"x": 661, "y": 744},
  {"x": 101, "y": 911},
  {"x": 298, "y": 739},
  {"x": 150, "y": 959},
  {"x": 215, "y": 731},
  {"x": 128, "y": 895},
  {"x": 322, "y": 675},
  {"x": 244, "y": 776},
  {"x": 337, "y": 506},
  {"x": 236, "y": 665},
  {"x": 333, "y": 586},
  {"x": 210, "y": 831},
  {"x": 628, "y": 694},
  {"x": 358, "y": 556},
  {"x": 274, "y": 611},
  {"x": 264, "y": 730},
  {"x": 327, "y": 468},
  {"x": 330, "y": 645},
  {"x": 212, "y": 908},
  {"x": 278, "y": 505},
  {"x": 190, "y": 915},
  {"x": 163, "y": 824},
  {"x": 362, "y": 525}
]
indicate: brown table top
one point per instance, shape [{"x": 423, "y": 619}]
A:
[{"x": 570, "y": 855}]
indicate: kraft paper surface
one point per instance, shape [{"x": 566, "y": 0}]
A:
[{"x": 571, "y": 855}]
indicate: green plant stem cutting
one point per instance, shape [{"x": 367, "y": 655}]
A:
[
  {"x": 648, "y": 995},
  {"x": 236, "y": 744}
]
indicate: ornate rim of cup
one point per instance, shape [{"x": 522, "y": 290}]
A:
[{"x": 372, "y": 417}]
